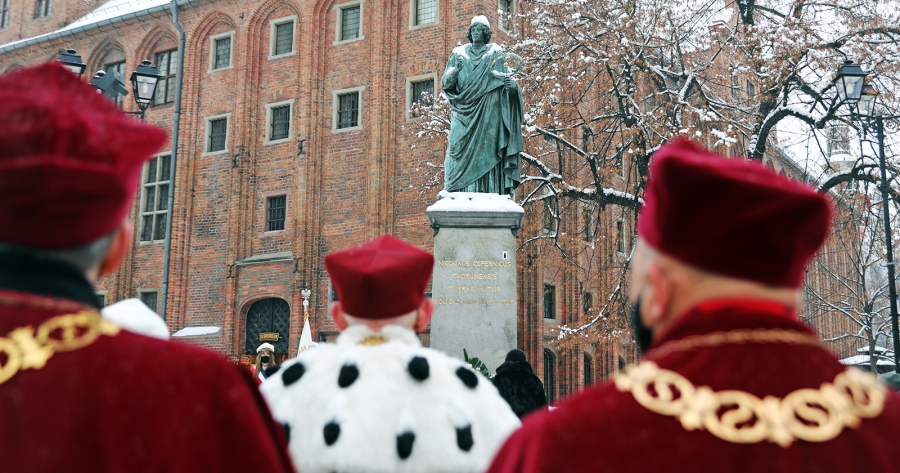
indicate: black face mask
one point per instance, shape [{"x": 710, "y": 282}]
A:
[
  {"x": 264, "y": 358},
  {"x": 642, "y": 335}
]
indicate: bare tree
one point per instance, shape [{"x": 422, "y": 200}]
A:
[{"x": 608, "y": 82}]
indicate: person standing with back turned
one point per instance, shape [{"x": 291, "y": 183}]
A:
[
  {"x": 730, "y": 380},
  {"x": 77, "y": 392},
  {"x": 376, "y": 400}
]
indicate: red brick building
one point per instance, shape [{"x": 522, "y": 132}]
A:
[{"x": 292, "y": 146}]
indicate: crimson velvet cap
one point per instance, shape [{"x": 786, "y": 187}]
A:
[
  {"x": 380, "y": 278},
  {"x": 731, "y": 216},
  {"x": 70, "y": 161}
]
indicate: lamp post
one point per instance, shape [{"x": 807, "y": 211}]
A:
[
  {"x": 72, "y": 61},
  {"x": 861, "y": 97},
  {"x": 143, "y": 83}
]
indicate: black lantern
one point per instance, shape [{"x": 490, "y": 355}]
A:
[
  {"x": 97, "y": 78},
  {"x": 72, "y": 61},
  {"x": 866, "y": 106},
  {"x": 849, "y": 82},
  {"x": 143, "y": 82}
]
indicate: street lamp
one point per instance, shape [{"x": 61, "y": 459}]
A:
[
  {"x": 143, "y": 82},
  {"x": 861, "y": 98},
  {"x": 72, "y": 61}
]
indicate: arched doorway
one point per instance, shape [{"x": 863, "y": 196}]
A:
[{"x": 265, "y": 318}]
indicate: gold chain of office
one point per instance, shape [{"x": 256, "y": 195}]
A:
[
  {"x": 26, "y": 348},
  {"x": 812, "y": 415}
]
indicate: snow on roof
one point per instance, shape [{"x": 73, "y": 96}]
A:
[
  {"x": 110, "y": 12},
  {"x": 196, "y": 331},
  {"x": 114, "y": 8},
  {"x": 864, "y": 360}
]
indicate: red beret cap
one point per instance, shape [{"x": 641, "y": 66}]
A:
[
  {"x": 70, "y": 161},
  {"x": 381, "y": 278},
  {"x": 731, "y": 217}
]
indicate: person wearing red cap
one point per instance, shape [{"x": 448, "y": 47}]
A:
[
  {"x": 730, "y": 379},
  {"x": 377, "y": 401},
  {"x": 78, "y": 393}
]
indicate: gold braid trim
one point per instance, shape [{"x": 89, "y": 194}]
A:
[
  {"x": 813, "y": 415},
  {"x": 734, "y": 338},
  {"x": 26, "y": 349}
]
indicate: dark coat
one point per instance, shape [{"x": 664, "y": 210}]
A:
[{"x": 521, "y": 388}]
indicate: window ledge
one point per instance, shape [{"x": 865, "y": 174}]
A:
[
  {"x": 154, "y": 242},
  {"x": 358, "y": 38},
  {"x": 220, "y": 69},
  {"x": 213, "y": 153},
  {"x": 423, "y": 25},
  {"x": 279, "y": 56},
  {"x": 267, "y": 142},
  {"x": 345, "y": 130}
]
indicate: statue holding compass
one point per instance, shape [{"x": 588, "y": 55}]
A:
[{"x": 487, "y": 105}]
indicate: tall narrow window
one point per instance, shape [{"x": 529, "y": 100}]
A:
[
  {"x": 277, "y": 213},
  {"x": 150, "y": 298},
  {"x": 218, "y": 132},
  {"x": 751, "y": 90},
  {"x": 284, "y": 38},
  {"x": 222, "y": 53},
  {"x": 549, "y": 301},
  {"x": 587, "y": 301},
  {"x": 348, "y": 110},
  {"x": 551, "y": 214},
  {"x": 421, "y": 91},
  {"x": 167, "y": 64},
  {"x": 155, "y": 199},
  {"x": 620, "y": 236},
  {"x": 588, "y": 218},
  {"x": 588, "y": 370},
  {"x": 4, "y": 14},
  {"x": 507, "y": 8},
  {"x": 280, "y": 122},
  {"x": 42, "y": 8},
  {"x": 101, "y": 298},
  {"x": 426, "y": 12},
  {"x": 549, "y": 375},
  {"x": 120, "y": 68},
  {"x": 350, "y": 21}
]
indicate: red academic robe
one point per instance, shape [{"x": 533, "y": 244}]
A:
[
  {"x": 607, "y": 429},
  {"x": 125, "y": 402}
]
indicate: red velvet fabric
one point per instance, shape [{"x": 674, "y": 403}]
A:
[
  {"x": 604, "y": 430},
  {"x": 70, "y": 161},
  {"x": 132, "y": 404},
  {"x": 730, "y": 216},
  {"x": 380, "y": 278}
]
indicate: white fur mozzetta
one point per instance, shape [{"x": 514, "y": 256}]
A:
[{"x": 380, "y": 402}]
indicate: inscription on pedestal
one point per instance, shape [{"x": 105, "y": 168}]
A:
[{"x": 474, "y": 289}]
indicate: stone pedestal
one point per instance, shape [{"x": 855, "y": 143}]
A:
[{"x": 474, "y": 285}]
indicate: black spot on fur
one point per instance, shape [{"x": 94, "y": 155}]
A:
[
  {"x": 464, "y": 438},
  {"x": 405, "y": 444},
  {"x": 293, "y": 373},
  {"x": 331, "y": 432},
  {"x": 348, "y": 375},
  {"x": 268, "y": 372},
  {"x": 287, "y": 431},
  {"x": 418, "y": 368},
  {"x": 469, "y": 378}
]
